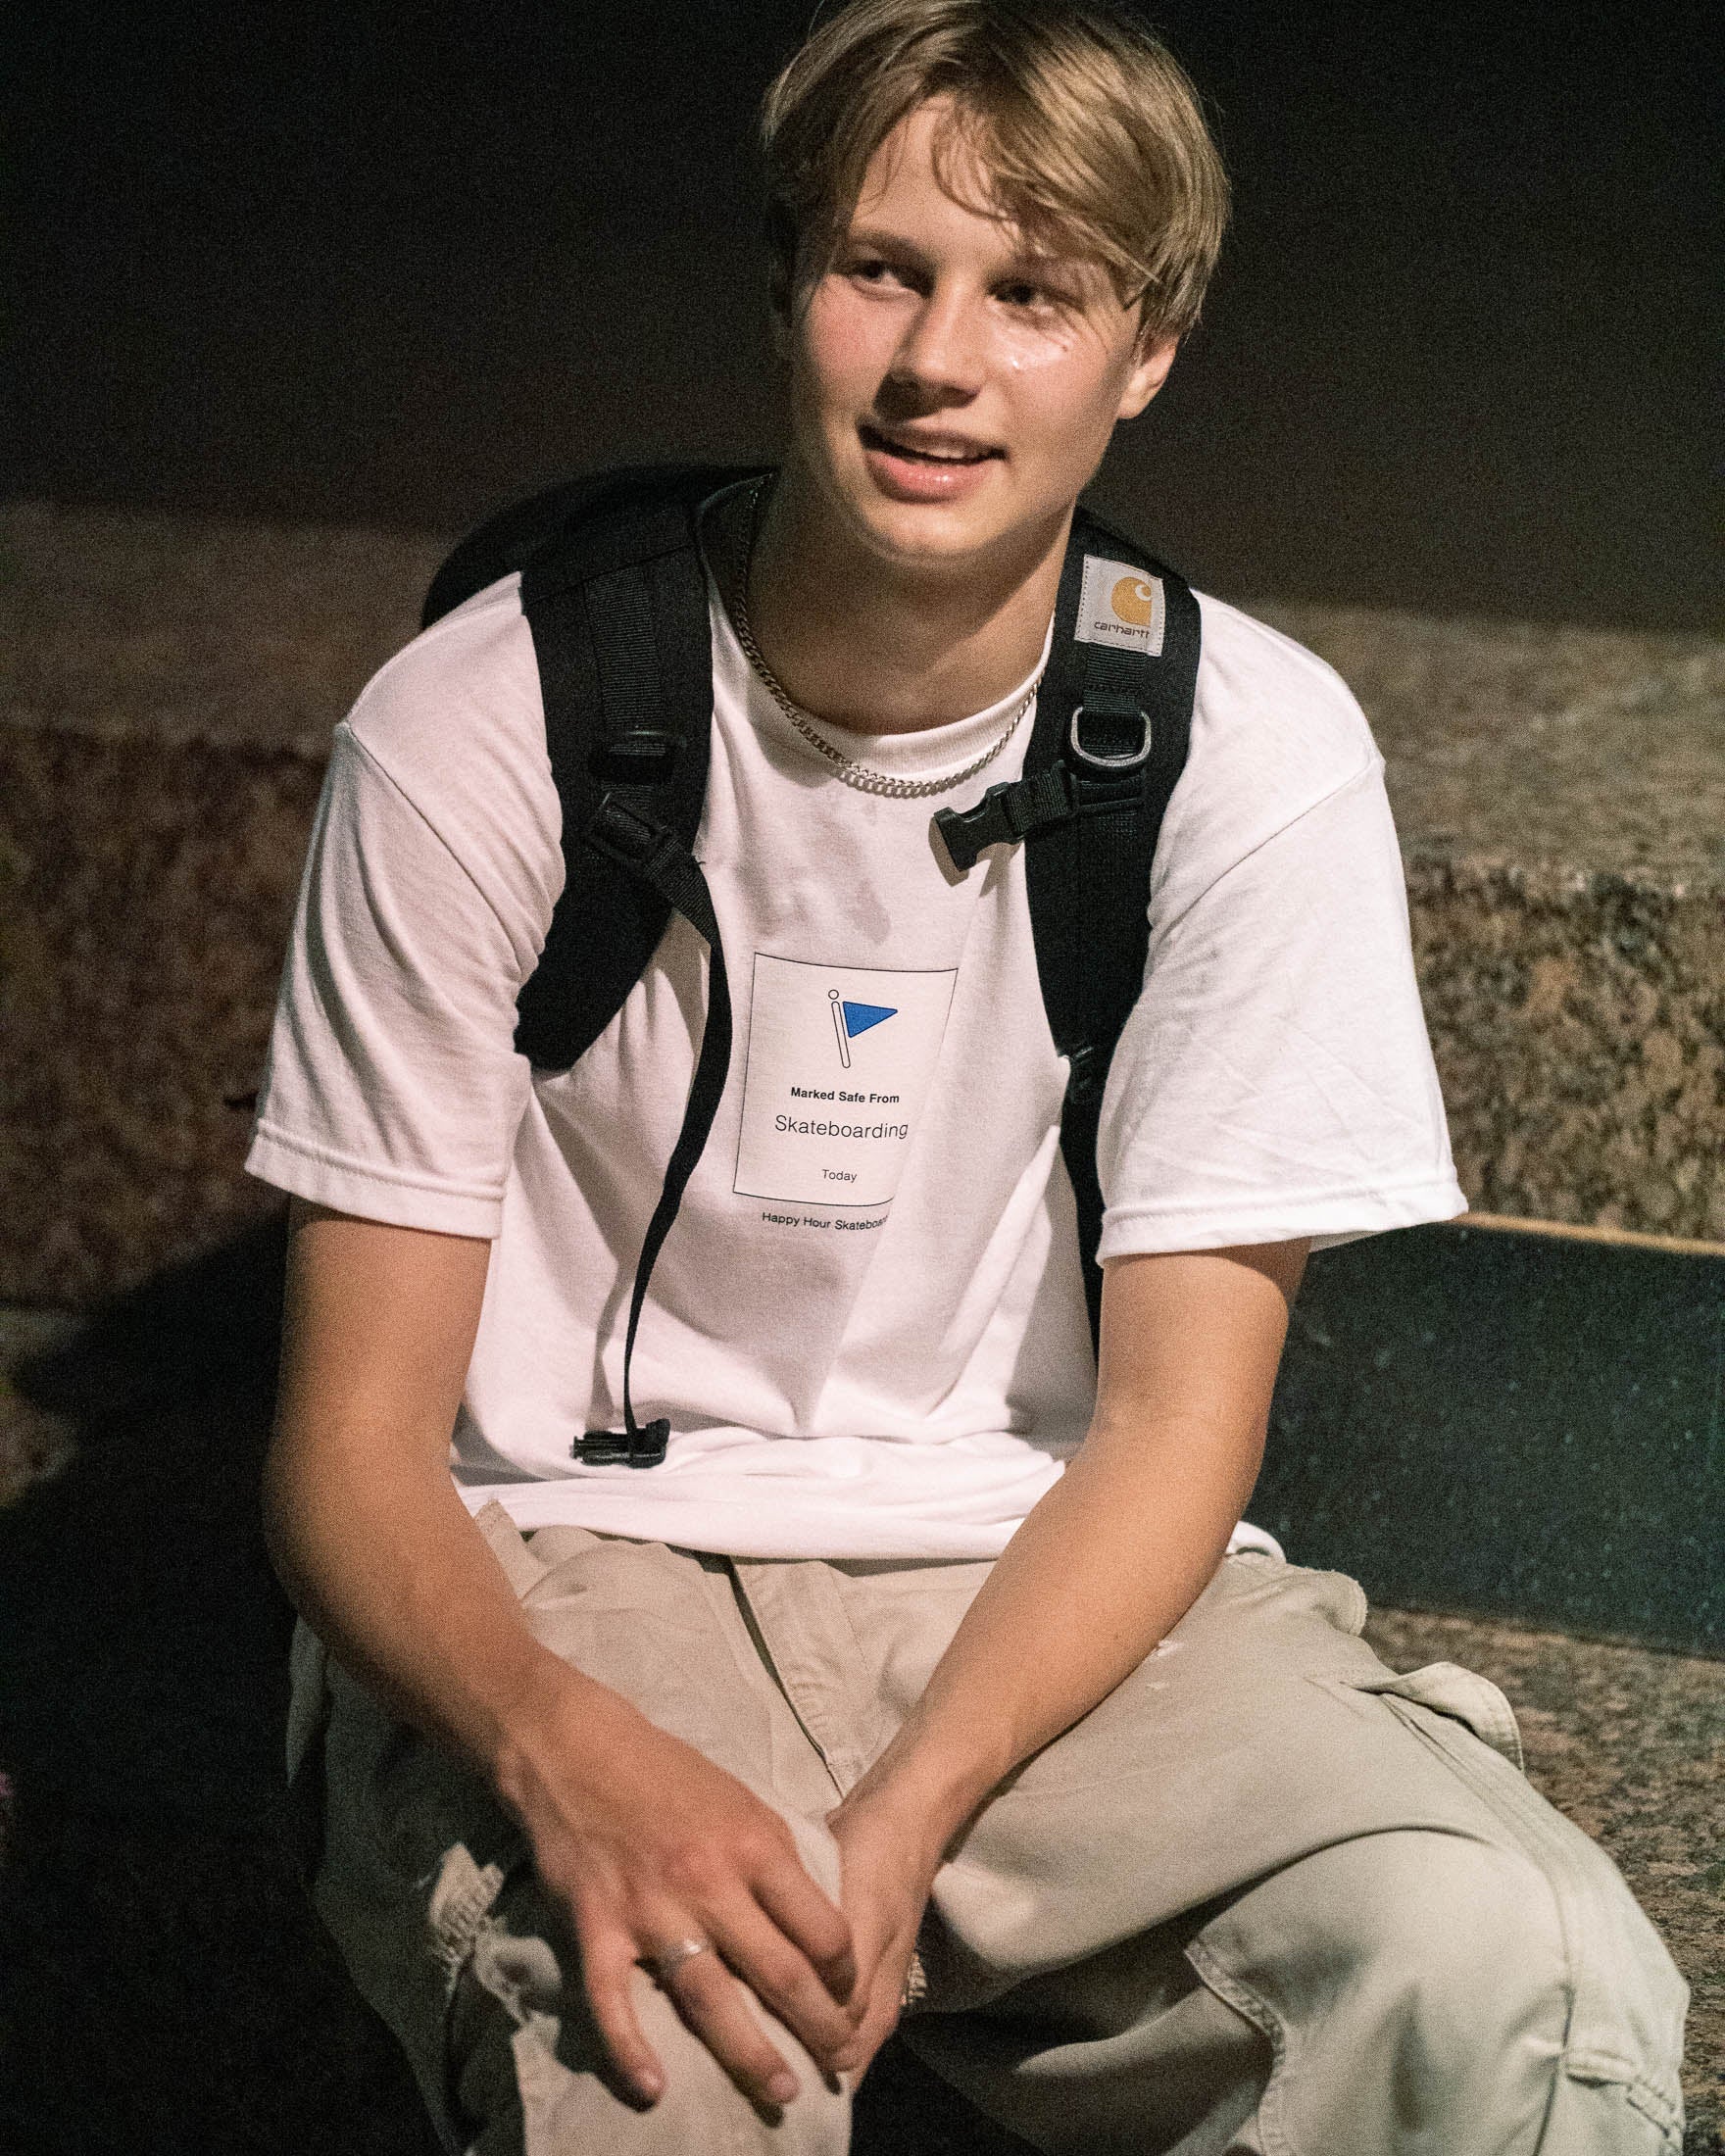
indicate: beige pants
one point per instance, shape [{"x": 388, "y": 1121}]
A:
[{"x": 1267, "y": 1896}]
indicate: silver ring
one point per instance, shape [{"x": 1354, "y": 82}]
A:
[{"x": 665, "y": 1961}]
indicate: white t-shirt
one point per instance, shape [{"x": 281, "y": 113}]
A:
[{"x": 867, "y": 1325}]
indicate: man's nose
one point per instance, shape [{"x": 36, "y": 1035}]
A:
[{"x": 942, "y": 353}]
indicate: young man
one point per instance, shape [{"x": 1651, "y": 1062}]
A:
[{"x": 641, "y": 1789}]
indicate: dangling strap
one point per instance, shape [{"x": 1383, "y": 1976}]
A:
[
  {"x": 621, "y": 629},
  {"x": 656, "y": 854}
]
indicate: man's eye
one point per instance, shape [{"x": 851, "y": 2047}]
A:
[
  {"x": 1023, "y": 293},
  {"x": 870, "y": 269}
]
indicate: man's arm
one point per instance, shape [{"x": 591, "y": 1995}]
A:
[
  {"x": 643, "y": 1839},
  {"x": 1106, "y": 1564}
]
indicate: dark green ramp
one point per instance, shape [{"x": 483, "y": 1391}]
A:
[{"x": 1514, "y": 1424}]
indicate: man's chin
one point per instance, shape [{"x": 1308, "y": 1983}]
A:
[{"x": 933, "y": 533}]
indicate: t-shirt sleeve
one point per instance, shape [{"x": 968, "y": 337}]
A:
[
  {"x": 392, "y": 1088},
  {"x": 1276, "y": 1079}
]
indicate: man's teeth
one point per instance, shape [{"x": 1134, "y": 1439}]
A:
[{"x": 935, "y": 455}]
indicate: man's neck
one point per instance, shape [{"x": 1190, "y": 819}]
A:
[{"x": 864, "y": 644}]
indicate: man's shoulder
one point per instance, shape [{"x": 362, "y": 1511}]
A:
[
  {"x": 1275, "y": 731},
  {"x": 466, "y": 687},
  {"x": 1261, "y": 694},
  {"x": 455, "y": 725}
]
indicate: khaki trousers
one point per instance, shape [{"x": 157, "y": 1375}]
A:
[{"x": 1266, "y": 1897}]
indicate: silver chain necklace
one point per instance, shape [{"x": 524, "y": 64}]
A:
[{"x": 853, "y": 773}]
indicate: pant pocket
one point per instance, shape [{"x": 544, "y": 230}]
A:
[
  {"x": 503, "y": 1995},
  {"x": 1464, "y": 1694},
  {"x": 1628, "y": 1999}
]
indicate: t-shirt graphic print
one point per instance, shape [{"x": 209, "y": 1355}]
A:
[{"x": 839, "y": 1063}]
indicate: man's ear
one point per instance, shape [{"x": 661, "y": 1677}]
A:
[{"x": 1147, "y": 375}]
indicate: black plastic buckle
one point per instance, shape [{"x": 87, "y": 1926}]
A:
[
  {"x": 1112, "y": 710},
  {"x": 616, "y": 1448},
  {"x": 1086, "y": 1074},
  {"x": 1005, "y": 813},
  {"x": 622, "y": 834},
  {"x": 966, "y": 831},
  {"x": 643, "y": 757}
]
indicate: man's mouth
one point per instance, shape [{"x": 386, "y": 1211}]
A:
[{"x": 938, "y": 450}]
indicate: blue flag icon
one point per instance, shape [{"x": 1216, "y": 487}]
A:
[
  {"x": 849, "y": 1019},
  {"x": 859, "y": 1017}
]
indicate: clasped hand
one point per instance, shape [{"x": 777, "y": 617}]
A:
[{"x": 649, "y": 1847}]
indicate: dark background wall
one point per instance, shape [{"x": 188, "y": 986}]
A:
[{"x": 392, "y": 262}]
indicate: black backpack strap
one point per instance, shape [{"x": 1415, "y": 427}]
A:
[
  {"x": 617, "y": 609},
  {"x": 535, "y": 523},
  {"x": 1113, "y": 729},
  {"x": 659, "y": 858}
]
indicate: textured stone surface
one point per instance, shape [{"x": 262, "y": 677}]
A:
[
  {"x": 1561, "y": 796},
  {"x": 1579, "y": 1026},
  {"x": 167, "y": 690},
  {"x": 133, "y": 626},
  {"x": 168, "y": 687},
  {"x": 1536, "y": 744},
  {"x": 145, "y": 896}
]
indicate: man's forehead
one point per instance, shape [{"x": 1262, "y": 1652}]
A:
[{"x": 938, "y": 141}]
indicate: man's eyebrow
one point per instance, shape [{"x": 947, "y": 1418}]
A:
[
  {"x": 1026, "y": 257},
  {"x": 873, "y": 236},
  {"x": 1043, "y": 260}
]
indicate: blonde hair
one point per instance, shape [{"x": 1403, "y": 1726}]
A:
[{"x": 1088, "y": 129}]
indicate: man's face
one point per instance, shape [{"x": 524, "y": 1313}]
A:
[{"x": 950, "y": 385}]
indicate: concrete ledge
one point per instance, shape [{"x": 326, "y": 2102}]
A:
[
  {"x": 166, "y": 692},
  {"x": 1560, "y": 796},
  {"x": 146, "y": 890},
  {"x": 1512, "y": 1422},
  {"x": 167, "y": 688}
]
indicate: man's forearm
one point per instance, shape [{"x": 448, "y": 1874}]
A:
[
  {"x": 1106, "y": 1564},
  {"x": 371, "y": 1539},
  {"x": 1121, "y": 1547},
  {"x": 637, "y": 1836},
  {"x": 385, "y": 1564}
]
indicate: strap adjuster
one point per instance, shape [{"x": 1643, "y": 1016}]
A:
[
  {"x": 622, "y": 834},
  {"x": 642, "y": 757},
  {"x": 1086, "y": 1074},
  {"x": 1111, "y": 708}
]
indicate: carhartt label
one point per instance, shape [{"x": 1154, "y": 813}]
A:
[
  {"x": 840, "y": 1058},
  {"x": 1121, "y": 606}
]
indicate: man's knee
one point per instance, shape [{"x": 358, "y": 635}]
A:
[
  {"x": 529, "y": 2075},
  {"x": 1414, "y": 1988},
  {"x": 1445, "y": 1981},
  {"x": 1448, "y": 1947}
]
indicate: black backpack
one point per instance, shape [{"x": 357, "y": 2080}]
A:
[{"x": 615, "y": 598}]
